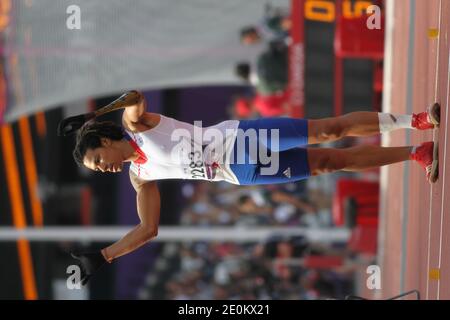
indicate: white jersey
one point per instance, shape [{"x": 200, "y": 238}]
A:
[{"x": 180, "y": 150}]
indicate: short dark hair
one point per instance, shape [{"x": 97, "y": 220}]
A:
[
  {"x": 242, "y": 70},
  {"x": 89, "y": 137},
  {"x": 247, "y": 31}
]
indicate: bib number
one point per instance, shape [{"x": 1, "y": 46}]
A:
[{"x": 196, "y": 168}]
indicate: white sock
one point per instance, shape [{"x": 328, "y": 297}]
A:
[{"x": 389, "y": 121}]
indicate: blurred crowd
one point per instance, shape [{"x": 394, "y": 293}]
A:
[
  {"x": 273, "y": 269},
  {"x": 224, "y": 204}
]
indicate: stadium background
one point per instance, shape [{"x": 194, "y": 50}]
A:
[{"x": 46, "y": 80}]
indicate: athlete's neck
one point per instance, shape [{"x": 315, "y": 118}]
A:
[{"x": 128, "y": 152}]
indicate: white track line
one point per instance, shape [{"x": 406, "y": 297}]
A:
[
  {"x": 443, "y": 174},
  {"x": 434, "y": 136},
  {"x": 385, "y": 138},
  {"x": 388, "y": 63}
]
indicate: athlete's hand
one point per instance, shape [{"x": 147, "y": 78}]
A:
[{"x": 89, "y": 263}]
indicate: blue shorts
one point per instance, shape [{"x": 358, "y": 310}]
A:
[{"x": 292, "y": 161}]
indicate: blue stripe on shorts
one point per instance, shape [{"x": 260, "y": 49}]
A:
[{"x": 292, "y": 160}]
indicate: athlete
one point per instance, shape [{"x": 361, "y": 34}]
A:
[{"x": 158, "y": 147}]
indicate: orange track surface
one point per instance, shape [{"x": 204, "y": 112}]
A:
[{"x": 414, "y": 235}]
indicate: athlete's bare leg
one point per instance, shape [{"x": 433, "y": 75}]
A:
[
  {"x": 366, "y": 123},
  {"x": 359, "y": 158},
  {"x": 354, "y": 124}
]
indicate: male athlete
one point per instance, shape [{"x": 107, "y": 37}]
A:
[{"x": 158, "y": 147}]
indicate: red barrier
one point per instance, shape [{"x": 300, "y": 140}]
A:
[
  {"x": 353, "y": 39},
  {"x": 364, "y": 240},
  {"x": 323, "y": 262},
  {"x": 366, "y": 196}
]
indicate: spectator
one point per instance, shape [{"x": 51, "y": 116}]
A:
[
  {"x": 274, "y": 26},
  {"x": 272, "y": 69},
  {"x": 274, "y": 105},
  {"x": 271, "y": 73}
]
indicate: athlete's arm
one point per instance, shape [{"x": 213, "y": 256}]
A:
[
  {"x": 133, "y": 102},
  {"x": 133, "y": 113},
  {"x": 148, "y": 207},
  {"x": 282, "y": 197}
]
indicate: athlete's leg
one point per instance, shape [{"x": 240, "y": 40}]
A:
[
  {"x": 366, "y": 123},
  {"x": 359, "y": 158},
  {"x": 300, "y": 163},
  {"x": 354, "y": 124},
  {"x": 331, "y": 129},
  {"x": 327, "y": 160}
]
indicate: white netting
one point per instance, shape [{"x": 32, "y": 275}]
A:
[{"x": 122, "y": 44}]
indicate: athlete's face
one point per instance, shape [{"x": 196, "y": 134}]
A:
[{"x": 107, "y": 158}]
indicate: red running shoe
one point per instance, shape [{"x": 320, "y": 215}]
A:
[
  {"x": 428, "y": 119},
  {"x": 427, "y": 155}
]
